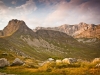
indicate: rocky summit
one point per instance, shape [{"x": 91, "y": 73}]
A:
[
  {"x": 13, "y": 26},
  {"x": 17, "y": 39}
]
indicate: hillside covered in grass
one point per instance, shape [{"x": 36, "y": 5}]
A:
[{"x": 17, "y": 38}]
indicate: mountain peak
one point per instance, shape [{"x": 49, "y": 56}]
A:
[
  {"x": 13, "y": 26},
  {"x": 15, "y": 21}
]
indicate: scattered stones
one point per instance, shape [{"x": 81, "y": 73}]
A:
[{"x": 3, "y": 62}]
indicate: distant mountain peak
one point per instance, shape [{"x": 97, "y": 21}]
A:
[{"x": 82, "y": 23}]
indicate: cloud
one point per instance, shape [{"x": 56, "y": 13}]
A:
[
  {"x": 8, "y": 13},
  {"x": 24, "y": 9},
  {"x": 27, "y": 8},
  {"x": 59, "y": 14},
  {"x": 75, "y": 11},
  {"x": 89, "y": 12},
  {"x": 3, "y": 7},
  {"x": 52, "y": 12}
]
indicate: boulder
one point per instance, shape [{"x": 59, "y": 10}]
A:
[
  {"x": 58, "y": 61},
  {"x": 17, "y": 62},
  {"x": 69, "y": 60},
  {"x": 3, "y": 62},
  {"x": 96, "y": 60},
  {"x": 50, "y": 59}
]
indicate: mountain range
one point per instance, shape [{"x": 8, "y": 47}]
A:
[
  {"x": 77, "y": 41},
  {"x": 81, "y": 30}
]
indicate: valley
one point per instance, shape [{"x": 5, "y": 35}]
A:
[{"x": 17, "y": 40}]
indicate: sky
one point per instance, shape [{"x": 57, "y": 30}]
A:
[{"x": 49, "y": 13}]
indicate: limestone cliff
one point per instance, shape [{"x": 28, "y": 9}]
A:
[{"x": 81, "y": 30}]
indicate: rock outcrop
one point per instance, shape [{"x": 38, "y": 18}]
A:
[
  {"x": 3, "y": 62},
  {"x": 91, "y": 31},
  {"x": 13, "y": 26}
]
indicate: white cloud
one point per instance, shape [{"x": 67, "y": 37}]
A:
[
  {"x": 8, "y": 13},
  {"x": 58, "y": 12},
  {"x": 27, "y": 8},
  {"x": 74, "y": 12}
]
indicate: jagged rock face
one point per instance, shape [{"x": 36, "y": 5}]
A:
[
  {"x": 1, "y": 33},
  {"x": 92, "y": 31},
  {"x": 81, "y": 30},
  {"x": 13, "y": 26},
  {"x": 68, "y": 29}
]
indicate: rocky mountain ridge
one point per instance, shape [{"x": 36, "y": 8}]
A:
[{"x": 81, "y": 30}]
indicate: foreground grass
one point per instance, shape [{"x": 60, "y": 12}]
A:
[
  {"x": 53, "y": 68},
  {"x": 19, "y": 70},
  {"x": 48, "y": 69}
]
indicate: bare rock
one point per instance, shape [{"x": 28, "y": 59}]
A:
[
  {"x": 18, "y": 62},
  {"x": 96, "y": 60}
]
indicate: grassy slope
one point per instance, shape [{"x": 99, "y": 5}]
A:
[{"x": 64, "y": 43}]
